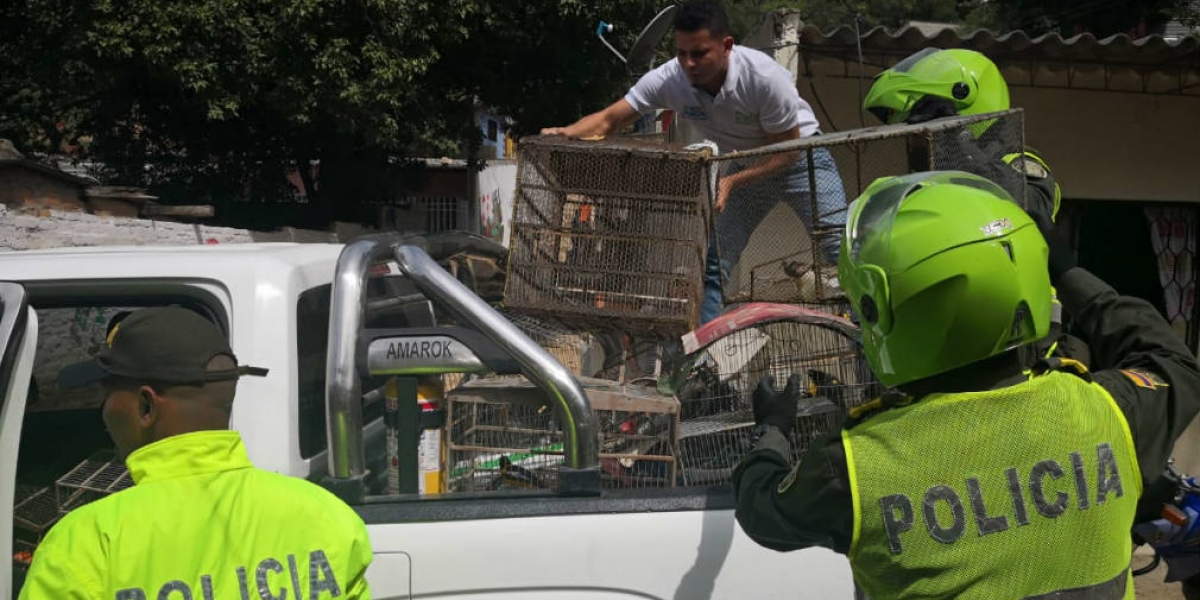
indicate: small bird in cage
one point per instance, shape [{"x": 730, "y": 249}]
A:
[
  {"x": 513, "y": 476},
  {"x": 704, "y": 393},
  {"x": 826, "y": 385}
]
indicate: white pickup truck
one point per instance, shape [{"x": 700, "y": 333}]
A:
[{"x": 316, "y": 315}]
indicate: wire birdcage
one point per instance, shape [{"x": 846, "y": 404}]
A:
[
  {"x": 97, "y": 476},
  {"x": 503, "y": 435},
  {"x": 609, "y": 232},
  {"x": 728, "y": 358},
  {"x": 34, "y": 512},
  {"x": 779, "y": 233},
  {"x": 711, "y": 447}
]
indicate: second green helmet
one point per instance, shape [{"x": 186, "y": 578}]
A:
[{"x": 962, "y": 81}]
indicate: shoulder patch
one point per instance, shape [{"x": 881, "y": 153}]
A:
[
  {"x": 1029, "y": 167},
  {"x": 1144, "y": 379}
]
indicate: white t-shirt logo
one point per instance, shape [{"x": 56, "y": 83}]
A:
[{"x": 695, "y": 113}]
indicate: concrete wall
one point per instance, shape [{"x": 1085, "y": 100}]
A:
[
  {"x": 26, "y": 230},
  {"x": 21, "y": 186},
  {"x": 1102, "y": 145}
]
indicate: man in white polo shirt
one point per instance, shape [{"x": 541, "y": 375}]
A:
[{"x": 740, "y": 99}]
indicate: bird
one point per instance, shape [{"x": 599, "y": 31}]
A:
[
  {"x": 514, "y": 476},
  {"x": 826, "y": 385}
]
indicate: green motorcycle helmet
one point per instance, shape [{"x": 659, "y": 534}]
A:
[
  {"x": 943, "y": 269},
  {"x": 936, "y": 83}
]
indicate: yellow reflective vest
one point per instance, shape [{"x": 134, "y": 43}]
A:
[
  {"x": 203, "y": 523},
  {"x": 1026, "y": 491}
]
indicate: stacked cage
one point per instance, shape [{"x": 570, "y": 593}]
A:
[
  {"x": 97, "y": 476},
  {"x": 609, "y": 234},
  {"x": 503, "y": 435},
  {"x": 34, "y": 512},
  {"x": 779, "y": 232},
  {"x": 779, "y": 341}
]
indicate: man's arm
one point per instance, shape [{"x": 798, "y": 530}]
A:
[
  {"x": 599, "y": 123},
  {"x": 782, "y": 509},
  {"x": 785, "y": 509},
  {"x": 1042, "y": 193},
  {"x": 761, "y": 167},
  {"x": 1139, "y": 359}
]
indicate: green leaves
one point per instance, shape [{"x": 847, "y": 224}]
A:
[{"x": 215, "y": 100}]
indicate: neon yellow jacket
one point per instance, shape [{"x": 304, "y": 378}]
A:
[{"x": 203, "y": 523}]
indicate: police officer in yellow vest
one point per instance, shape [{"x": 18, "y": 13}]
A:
[
  {"x": 975, "y": 479},
  {"x": 201, "y": 521}
]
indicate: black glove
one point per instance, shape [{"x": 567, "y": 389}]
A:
[
  {"x": 777, "y": 409},
  {"x": 1062, "y": 255}
]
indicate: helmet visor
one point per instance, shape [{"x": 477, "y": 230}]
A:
[
  {"x": 905, "y": 65},
  {"x": 873, "y": 214}
]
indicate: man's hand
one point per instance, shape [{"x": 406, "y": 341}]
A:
[
  {"x": 724, "y": 187},
  {"x": 777, "y": 409},
  {"x": 554, "y": 131}
]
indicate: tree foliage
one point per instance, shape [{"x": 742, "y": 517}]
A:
[
  {"x": 1101, "y": 18},
  {"x": 214, "y": 100}
]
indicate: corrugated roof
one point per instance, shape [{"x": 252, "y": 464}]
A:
[{"x": 1152, "y": 51}]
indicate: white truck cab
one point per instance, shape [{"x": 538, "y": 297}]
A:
[{"x": 311, "y": 313}]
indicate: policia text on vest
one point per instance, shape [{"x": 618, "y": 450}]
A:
[
  {"x": 271, "y": 579},
  {"x": 1040, "y": 484}
]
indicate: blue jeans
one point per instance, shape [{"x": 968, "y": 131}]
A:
[{"x": 750, "y": 203}]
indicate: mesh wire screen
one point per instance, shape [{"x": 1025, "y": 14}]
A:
[
  {"x": 1173, "y": 235},
  {"x": 711, "y": 447},
  {"x": 609, "y": 229},
  {"x": 715, "y": 399},
  {"x": 569, "y": 347},
  {"x": 501, "y": 438},
  {"x": 34, "y": 511},
  {"x": 778, "y": 233},
  {"x": 97, "y": 476}
]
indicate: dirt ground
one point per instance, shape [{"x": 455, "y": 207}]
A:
[{"x": 1151, "y": 586}]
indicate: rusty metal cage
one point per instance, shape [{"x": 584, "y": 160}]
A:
[
  {"x": 572, "y": 348},
  {"x": 723, "y": 371},
  {"x": 609, "y": 234},
  {"x": 503, "y": 435},
  {"x": 97, "y": 476},
  {"x": 778, "y": 234}
]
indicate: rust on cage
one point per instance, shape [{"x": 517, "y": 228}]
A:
[{"x": 609, "y": 233}]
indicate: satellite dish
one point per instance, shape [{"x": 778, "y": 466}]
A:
[{"x": 641, "y": 54}]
